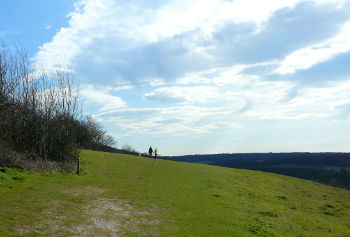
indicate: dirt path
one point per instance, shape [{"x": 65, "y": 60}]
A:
[{"x": 99, "y": 216}]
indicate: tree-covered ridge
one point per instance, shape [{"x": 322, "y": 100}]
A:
[{"x": 329, "y": 168}]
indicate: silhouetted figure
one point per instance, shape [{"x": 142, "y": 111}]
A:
[
  {"x": 150, "y": 151},
  {"x": 155, "y": 153}
]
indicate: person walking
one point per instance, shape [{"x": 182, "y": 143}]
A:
[
  {"x": 150, "y": 151},
  {"x": 155, "y": 153}
]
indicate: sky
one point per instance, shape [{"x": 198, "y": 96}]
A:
[{"x": 199, "y": 76}]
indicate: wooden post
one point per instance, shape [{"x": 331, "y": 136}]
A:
[{"x": 78, "y": 166}]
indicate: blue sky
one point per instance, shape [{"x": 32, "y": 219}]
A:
[{"x": 199, "y": 76}]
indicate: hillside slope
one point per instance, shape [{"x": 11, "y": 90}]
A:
[{"x": 122, "y": 195}]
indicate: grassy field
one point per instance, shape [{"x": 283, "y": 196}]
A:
[{"x": 122, "y": 195}]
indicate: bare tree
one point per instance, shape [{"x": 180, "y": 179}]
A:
[
  {"x": 36, "y": 109},
  {"x": 39, "y": 112}
]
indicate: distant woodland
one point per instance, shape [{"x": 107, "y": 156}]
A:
[{"x": 327, "y": 168}]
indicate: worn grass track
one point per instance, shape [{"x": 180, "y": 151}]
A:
[{"x": 121, "y": 195}]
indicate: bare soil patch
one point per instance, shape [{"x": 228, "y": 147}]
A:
[{"x": 99, "y": 216}]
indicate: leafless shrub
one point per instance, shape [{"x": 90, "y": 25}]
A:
[
  {"x": 36, "y": 108},
  {"x": 30, "y": 162},
  {"x": 128, "y": 148}
]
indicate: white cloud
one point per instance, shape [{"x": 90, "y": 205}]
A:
[
  {"x": 67, "y": 43},
  {"x": 307, "y": 57},
  {"x": 266, "y": 104},
  {"x": 102, "y": 98},
  {"x": 120, "y": 88},
  {"x": 251, "y": 96},
  {"x": 113, "y": 37},
  {"x": 175, "y": 121},
  {"x": 155, "y": 81},
  {"x": 126, "y": 25},
  {"x": 251, "y": 100},
  {"x": 309, "y": 103},
  {"x": 196, "y": 94},
  {"x": 333, "y": 95},
  {"x": 223, "y": 76}
]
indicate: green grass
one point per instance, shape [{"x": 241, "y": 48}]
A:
[{"x": 133, "y": 196}]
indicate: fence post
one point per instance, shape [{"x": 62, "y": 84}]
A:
[{"x": 78, "y": 166}]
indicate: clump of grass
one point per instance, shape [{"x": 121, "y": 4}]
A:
[
  {"x": 282, "y": 197},
  {"x": 268, "y": 213},
  {"x": 259, "y": 231}
]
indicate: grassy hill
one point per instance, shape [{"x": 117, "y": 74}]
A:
[{"x": 123, "y": 195}]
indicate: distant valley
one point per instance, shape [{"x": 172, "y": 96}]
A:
[{"x": 328, "y": 168}]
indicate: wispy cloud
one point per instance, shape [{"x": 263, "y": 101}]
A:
[
  {"x": 256, "y": 100},
  {"x": 124, "y": 26},
  {"x": 9, "y": 32},
  {"x": 176, "y": 121},
  {"x": 307, "y": 57},
  {"x": 198, "y": 94},
  {"x": 101, "y": 98}
]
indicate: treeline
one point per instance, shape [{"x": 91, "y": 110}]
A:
[
  {"x": 40, "y": 118},
  {"x": 328, "y": 168}
]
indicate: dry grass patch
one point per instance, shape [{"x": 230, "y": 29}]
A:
[{"x": 98, "y": 217}]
